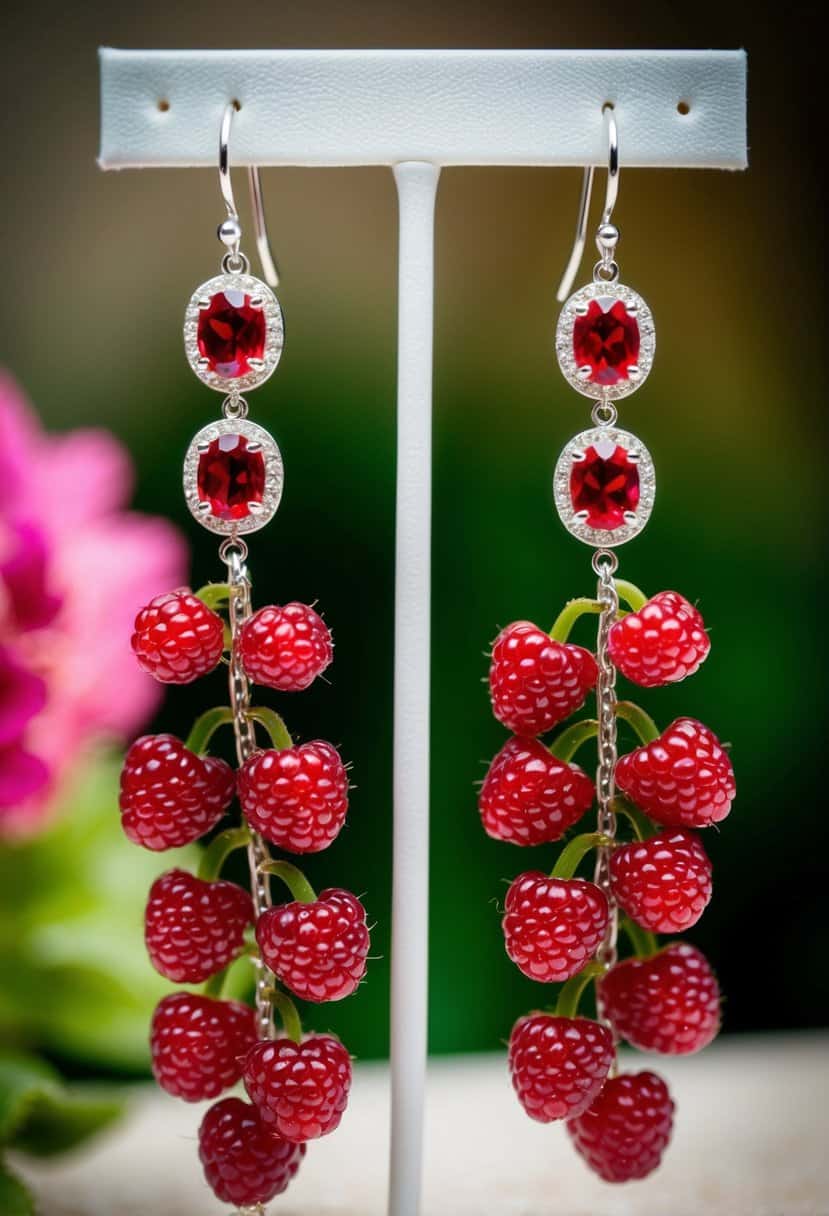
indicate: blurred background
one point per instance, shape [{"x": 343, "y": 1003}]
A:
[{"x": 99, "y": 268}]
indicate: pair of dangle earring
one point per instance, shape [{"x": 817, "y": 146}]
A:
[
  {"x": 293, "y": 797},
  {"x": 653, "y": 875}
]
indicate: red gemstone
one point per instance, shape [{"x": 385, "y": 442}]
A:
[
  {"x": 606, "y": 340},
  {"x": 231, "y": 332},
  {"x": 231, "y": 477},
  {"x": 605, "y": 485}
]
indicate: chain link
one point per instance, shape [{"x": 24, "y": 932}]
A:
[
  {"x": 605, "y": 565},
  {"x": 233, "y": 552}
]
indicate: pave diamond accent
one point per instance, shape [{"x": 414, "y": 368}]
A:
[
  {"x": 235, "y": 287},
  {"x": 255, "y": 440},
  {"x": 573, "y": 313},
  {"x": 604, "y": 439}
]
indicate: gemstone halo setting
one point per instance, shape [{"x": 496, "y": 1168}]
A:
[
  {"x": 227, "y": 345},
  {"x": 604, "y": 486},
  {"x": 605, "y": 340},
  {"x": 233, "y": 476}
]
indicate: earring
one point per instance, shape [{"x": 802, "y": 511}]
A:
[
  {"x": 292, "y": 796},
  {"x": 559, "y": 928}
]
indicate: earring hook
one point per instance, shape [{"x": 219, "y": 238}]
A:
[
  {"x": 230, "y": 232},
  {"x": 611, "y": 195}
]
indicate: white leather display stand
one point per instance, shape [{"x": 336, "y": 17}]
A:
[{"x": 416, "y": 111}]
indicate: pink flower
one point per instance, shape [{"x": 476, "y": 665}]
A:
[{"x": 75, "y": 567}]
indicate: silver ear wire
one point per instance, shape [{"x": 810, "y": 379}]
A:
[
  {"x": 230, "y": 230},
  {"x": 611, "y": 194}
]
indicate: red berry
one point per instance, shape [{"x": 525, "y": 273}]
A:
[
  {"x": 318, "y": 949},
  {"x": 169, "y": 795},
  {"x": 530, "y": 797},
  {"x": 535, "y": 682},
  {"x": 298, "y": 797},
  {"x": 243, "y": 1163},
  {"x": 193, "y": 928},
  {"x": 668, "y": 1003},
  {"x": 623, "y": 1134},
  {"x": 553, "y": 926},
  {"x": 558, "y": 1065},
  {"x": 198, "y": 1045},
  {"x": 301, "y": 1089},
  {"x": 177, "y": 638},
  {"x": 285, "y": 648},
  {"x": 661, "y": 643},
  {"x": 664, "y": 882},
  {"x": 683, "y": 779}
]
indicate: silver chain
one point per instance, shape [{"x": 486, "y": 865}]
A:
[
  {"x": 605, "y": 565},
  {"x": 233, "y": 552}
]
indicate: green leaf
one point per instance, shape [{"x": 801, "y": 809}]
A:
[
  {"x": 15, "y": 1200},
  {"x": 39, "y": 1115}
]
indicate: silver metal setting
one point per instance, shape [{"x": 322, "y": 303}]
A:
[
  {"x": 604, "y": 290},
  {"x": 576, "y": 525},
  {"x": 244, "y": 284},
  {"x": 605, "y": 565},
  {"x": 262, "y": 512}
]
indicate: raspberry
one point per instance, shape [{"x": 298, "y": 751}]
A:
[
  {"x": 683, "y": 779},
  {"x": 558, "y": 1065},
  {"x": 169, "y": 795},
  {"x": 663, "y": 883},
  {"x": 530, "y": 797},
  {"x": 624, "y": 1133},
  {"x": 198, "y": 1045},
  {"x": 177, "y": 638},
  {"x": 301, "y": 1089},
  {"x": 535, "y": 682},
  {"x": 661, "y": 643},
  {"x": 668, "y": 1003},
  {"x": 553, "y": 926},
  {"x": 243, "y": 1163},
  {"x": 318, "y": 949},
  {"x": 298, "y": 797},
  {"x": 193, "y": 928},
  {"x": 285, "y": 648}
]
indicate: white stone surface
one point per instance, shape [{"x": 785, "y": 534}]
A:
[{"x": 750, "y": 1140}]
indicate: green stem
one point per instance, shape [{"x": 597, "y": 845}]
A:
[
  {"x": 640, "y": 823},
  {"x": 293, "y": 878},
  {"x": 206, "y": 726},
  {"x": 213, "y": 594},
  {"x": 274, "y": 725},
  {"x": 571, "y": 993},
  {"x": 570, "y": 740},
  {"x": 642, "y": 723},
  {"x": 218, "y": 851},
  {"x": 215, "y": 985},
  {"x": 569, "y": 614},
  {"x": 575, "y": 850},
  {"x": 643, "y": 941},
  {"x": 631, "y": 594},
  {"x": 288, "y": 1014}
]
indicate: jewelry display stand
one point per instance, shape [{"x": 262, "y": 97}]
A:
[{"x": 417, "y": 111}]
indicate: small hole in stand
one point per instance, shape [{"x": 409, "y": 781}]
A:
[
  {"x": 608, "y": 105},
  {"x": 683, "y": 108},
  {"x": 164, "y": 105},
  {"x": 237, "y": 105}
]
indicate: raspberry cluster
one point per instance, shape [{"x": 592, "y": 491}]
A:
[
  {"x": 196, "y": 926},
  {"x": 559, "y": 928}
]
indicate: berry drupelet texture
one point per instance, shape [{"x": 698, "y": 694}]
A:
[
  {"x": 300, "y": 1089},
  {"x": 558, "y": 1065},
  {"x": 529, "y": 796},
  {"x": 198, "y": 1044},
  {"x": 552, "y": 926},
  {"x": 298, "y": 797},
  {"x": 318, "y": 949},
  {"x": 177, "y": 638},
  {"x": 683, "y": 779},
  {"x": 169, "y": 795},
  {"x": 193, "y": 928},
  {"x": 663, "y": 642},
  {"x": 534, "y": 682},
  {"x": 664, "y": 882},
  {"x": 243, "y": 1163},
  {"x": 285, "y": 647},
  {"x": 623, "y": 1135}
]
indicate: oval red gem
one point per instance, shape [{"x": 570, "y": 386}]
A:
[
  {"x": 230, "y": 333},
  {"x": 231, "y": 477},
  {"x": 606, "y": 340},
  {"x": 605, "y": 484}
]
